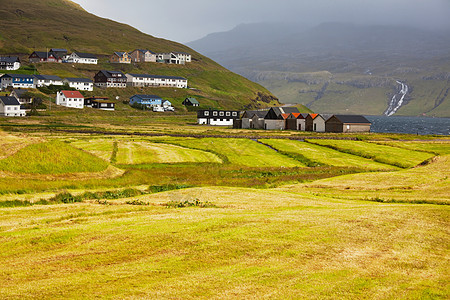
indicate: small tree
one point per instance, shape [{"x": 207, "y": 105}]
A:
[{"x": 34, "y": 106}]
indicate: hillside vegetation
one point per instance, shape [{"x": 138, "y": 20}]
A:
[{"x": 29, "y": 25}]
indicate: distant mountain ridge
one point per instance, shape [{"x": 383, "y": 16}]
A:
[
  {"x": 37, "y": 25},
  {"x": 362, "y": 64}
]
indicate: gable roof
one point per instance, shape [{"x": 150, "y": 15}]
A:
[
  {"x": 9, "y": 59},
  {"x": 251, "y": 113},
  {"x": 47, "y": 77},
  {"x": 85, "y": 55},
  {"x": 19, "y": 92},
  {"x": 313, "y": 116},
  {"x": 72, "y": 94},
  {"x": 147, "y": 96},
  {"x": 8, "y": 100},
  {"x": 192, "y": 100},
  {"x": 347, "y": 119},
  {"x": 79, "y": 80},
  {"x": 156, "y": 76},
  {"x": 40, "y": 54},
  {"x": 144, "y": 51},
  {"x": 285, "y": 116}
]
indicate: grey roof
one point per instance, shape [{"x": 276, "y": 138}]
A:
[
  {"x": 18, "y": 76},
  {"x": 40, "y": 54},
  {"x": 86, "y": 55},
  {"x": 147, "y": 96},
  {"x": 284, "y": 110},
  {"x": 7, "y": 100},
  {"x": 20, "y": 92},
  {"x": 9, "y": 59},
  {"x": 109, "y": 73},
  {"x": 325, "y": 116},
  {"x": 352, "y": 119},
  {"x": 47, "y": 77},
  {"x": 58, "y": 50},
  {"x": 259, "y": 113},
  {"x": 79, "y": 80},
  {"x": 192, "y": 100},
  {"x": 156, "y": 76},
  {"x": 144, "y": 51}
]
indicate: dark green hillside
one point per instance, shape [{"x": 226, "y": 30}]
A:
[{"x": 29, "y": 25}]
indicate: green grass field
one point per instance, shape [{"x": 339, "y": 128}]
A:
[
  {"x": 52, "y": 158},
  {"x": 437, "y": 148},
  {"x": 256, "y": 223},
  {"x": 399, "y": 157},
  {"x": 242, "y": 152},
  {"x": 324, "y": 156}
]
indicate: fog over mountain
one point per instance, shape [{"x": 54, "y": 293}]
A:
[
  {"x": 341, "y": 67},
  {"x": 184, "y": 21}
]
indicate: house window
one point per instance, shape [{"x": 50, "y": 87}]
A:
[
  {"x": 221, "y": 113},
  {"x": 234, "y": 114},
  {"x": 228, "y": 114},
  {"x": 215, "y": 113},
  {"x": 206, "y": 113}
]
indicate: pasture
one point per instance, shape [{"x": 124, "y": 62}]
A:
[{"x": 164, "y": 217}]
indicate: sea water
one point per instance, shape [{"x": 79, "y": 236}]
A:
[{"x": 412, "y": 125}]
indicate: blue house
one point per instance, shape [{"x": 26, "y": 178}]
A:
[
  {"x": 18, "y": 81},
  {"x": 148, "y": 100}
]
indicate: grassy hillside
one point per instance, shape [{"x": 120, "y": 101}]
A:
[{"x": 29, "y": 25}]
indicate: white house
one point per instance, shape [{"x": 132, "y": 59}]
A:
[
  {"x": 10, "y": 107},
  {"x": 70, "y": 99},
  {"x": 46, "y": 80},
  {"x": 18, "y": 81},
  {"x": 217, "y": 117},
  {"x": 81, "y": 84},
  {"x": 9, "y": 63},
  {"x": 81, "y": 58},
  {"x": 145, "y": 80}
]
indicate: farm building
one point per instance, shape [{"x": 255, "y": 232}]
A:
[
  {"x": 9, "y": 63},
  {"x": 296, "y": 121},
  {"x": 10, "y": 107},
  {"x": 103, "y": 104},
  {"x": 39, "y": 57},
  {"x": 190, "y": 101},
  {"x": 253, "y": 119},
  {"x": 217, "y": 117},
  {"x": 316, "y": 122},
  {"x": 276, "y": 117},
  {"x": 70, "y": 99},
  {"x": 81, "y": 84},
  {"x": 108, "y": 79},
  {"x": 347, "y": 123}
]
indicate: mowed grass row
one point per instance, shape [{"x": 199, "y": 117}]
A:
[
  {"x": 243, "y": 152},
  {"x": 424, "y": 184},
  {"x": 252, "y": 244},
  {"x": 152, "y": 153},
  {"x": 319, "y": 155},
  {"x": 52, "y": 157},
  {"x": 438, "y": 148},
  {"x": 102, "y": 148},
  {"x": 399, "y": 157}
]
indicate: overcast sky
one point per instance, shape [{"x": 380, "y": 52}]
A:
[{"x": 188, "y": 20}]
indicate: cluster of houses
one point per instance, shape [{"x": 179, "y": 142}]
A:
[
  {"x": 56, "y": 55},
  {"x": 104, "y": 79},
  {"x": 284, "y": 118}
]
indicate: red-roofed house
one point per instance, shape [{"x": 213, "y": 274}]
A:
[
  {"x": 70, "y": 99},
  {"x": 296, "y": 121}
]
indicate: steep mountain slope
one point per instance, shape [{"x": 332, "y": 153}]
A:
[
  {"x": 341, "y": 68},
  {"x": 29, "y": 25}
]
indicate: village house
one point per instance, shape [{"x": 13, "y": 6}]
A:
[
  {"x": 102, "y": 103},
  {"x": 347, "y": 123},
  {"x": 120, "y": 58},
  {"x": 110, "y": 79},
  {"x": 39, "y": 57},
  {"x": 9, "y": 63},
  {"x": 183, "y": 57},
  {"x": 252, "y": 119},
  {"x": 145, "y": 80},
  {"x": 217, "y": 117},
  {"x": 21, "y": 96},
  {"x": 296, "y": 121},
  {"x": 316, "y": 122},
  {"x": 47, "y": 80},
  {"x": 81, "y": 58},
  {"x": 140, "y": 55},
  {"x": 191, "y": 101},
  {"x": 276, "y": 117},
  {"x": 149, "y": 101},
  {"x": 81, "y": 84},
  {"x": 18, "y": 81},
  {"x": 10, "y": 107},
  {"x": 58, "y": 52},
  {"x": 72, "y": 99}
]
